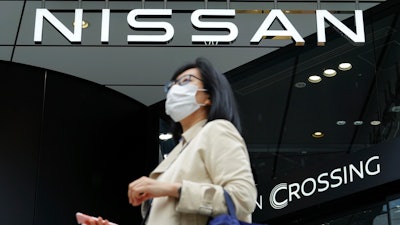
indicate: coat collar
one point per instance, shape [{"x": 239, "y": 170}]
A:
[
  {"x": 186, "y": 139},
  {"x": 191, "y": 132}
]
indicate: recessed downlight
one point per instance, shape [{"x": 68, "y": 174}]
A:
[
  {"x": 314, "y": 79},
  {"x": 358, "y": 122},
  {"x": 300, "y": 84},
  {"x": 340, "y": 122},
  {"x": 345, "y": 66},
  {"x": 395, "y": 108},
  {"x": 318, "y": 134},
  {"x": 375, "y": 122},
  {"x": 329, "y": 72}
]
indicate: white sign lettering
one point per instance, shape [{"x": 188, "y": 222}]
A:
[
  {"x": 169, "y": 29},
  {"x": 327, "y": 180},
  {"x": 358, "y": 37},
  {"x": 277, "y": 14},
  {"x": 76, "y": 36},
  {"x": 233, "y": 32},
  {"x": 105, "y": 25}
]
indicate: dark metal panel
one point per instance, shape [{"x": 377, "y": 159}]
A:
[
  {"x": 95, "y": 142},
  {"x": 10, "y": 15},
  {"x": 21, "y": 96}
]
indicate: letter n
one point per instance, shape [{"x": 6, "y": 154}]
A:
[
  {"x": 357, "y": 38},
  {"x": 76, "y": 36}
]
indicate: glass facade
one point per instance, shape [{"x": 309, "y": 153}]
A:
[{"x": 377, "y": 214}]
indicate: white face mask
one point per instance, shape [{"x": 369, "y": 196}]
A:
[{"x": 181, "y": 101}]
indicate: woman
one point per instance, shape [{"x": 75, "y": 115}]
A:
[{"x": 187, "y": 187}]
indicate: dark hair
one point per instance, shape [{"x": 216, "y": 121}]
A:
[{"x": 223, "y": 103}]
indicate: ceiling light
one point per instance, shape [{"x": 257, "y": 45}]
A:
[
  {"x": 329, "y": 72},
  {"x": 300, "y": 84},
  {"x": 358, "y": 122},
  {"x": 345, "y": 66},
  {"x": 396, "y": 108},
  {"x": 314, "y": 79},
  {"x": 318, "y": 134},
  {"x": 340, "y": 122},
  {"x": 165, "y": 137},
  {"x": 375, "y": 122},
  {"x": 84, "y": 24}
]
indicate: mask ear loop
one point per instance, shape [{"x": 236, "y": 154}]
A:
[{"x": 203, "y": 104}]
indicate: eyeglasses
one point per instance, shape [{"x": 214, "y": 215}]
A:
[{"x": 185, "y": 79}]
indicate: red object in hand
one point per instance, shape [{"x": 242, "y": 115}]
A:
[{"x": 82, "y": 218}]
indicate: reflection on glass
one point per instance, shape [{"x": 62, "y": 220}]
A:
[
  {"x": 394, "y": 207},
  {"x": 376, "y": 215},
  {"x": 373, "y": 216},
  {"x": 380, "y": 220}
]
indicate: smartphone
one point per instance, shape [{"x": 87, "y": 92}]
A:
[{"x": 82, "y": 218}]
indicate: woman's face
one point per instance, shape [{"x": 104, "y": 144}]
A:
[{"x": 202, "y": 97}]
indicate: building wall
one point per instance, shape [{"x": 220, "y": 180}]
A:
[{"x": 69, "y": 145}]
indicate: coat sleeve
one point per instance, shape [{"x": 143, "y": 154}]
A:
[{"x": 227, "y": 162}]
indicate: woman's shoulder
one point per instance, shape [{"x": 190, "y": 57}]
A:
[
  {"x": 221, "y": 131},
  {"x": 219, "y": 124}
]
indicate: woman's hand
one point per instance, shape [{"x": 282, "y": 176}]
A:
[
  {"x": 146, "y": 188},
  {"x": 99, "y": 221}
]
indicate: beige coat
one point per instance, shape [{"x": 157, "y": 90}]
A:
[{"x": 212, "y": 156}]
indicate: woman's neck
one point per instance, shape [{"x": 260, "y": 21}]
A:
[{"x": 192, "y": 119}]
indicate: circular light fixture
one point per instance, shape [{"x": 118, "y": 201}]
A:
[
  {"x": 396, "y": 108},
  {"x": 340, "y": 122},
  {"x": 318, "y": 134},
  {"x": 358, "y": 122},
  {"x": 165, "y": 137},
  {"x": 314, "y": 79},
  {"x": 300, "y": 84},
  {"x": 84, "y": 24},
  {"x": 375, "y": 122},
  {"x": 345, "y": 66},
  {"x": 329, "y": 72}
]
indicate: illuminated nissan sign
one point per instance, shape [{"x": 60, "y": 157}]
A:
[
  {"x": 263, "y": 30},
  {"x": 324, "y": 181}
]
